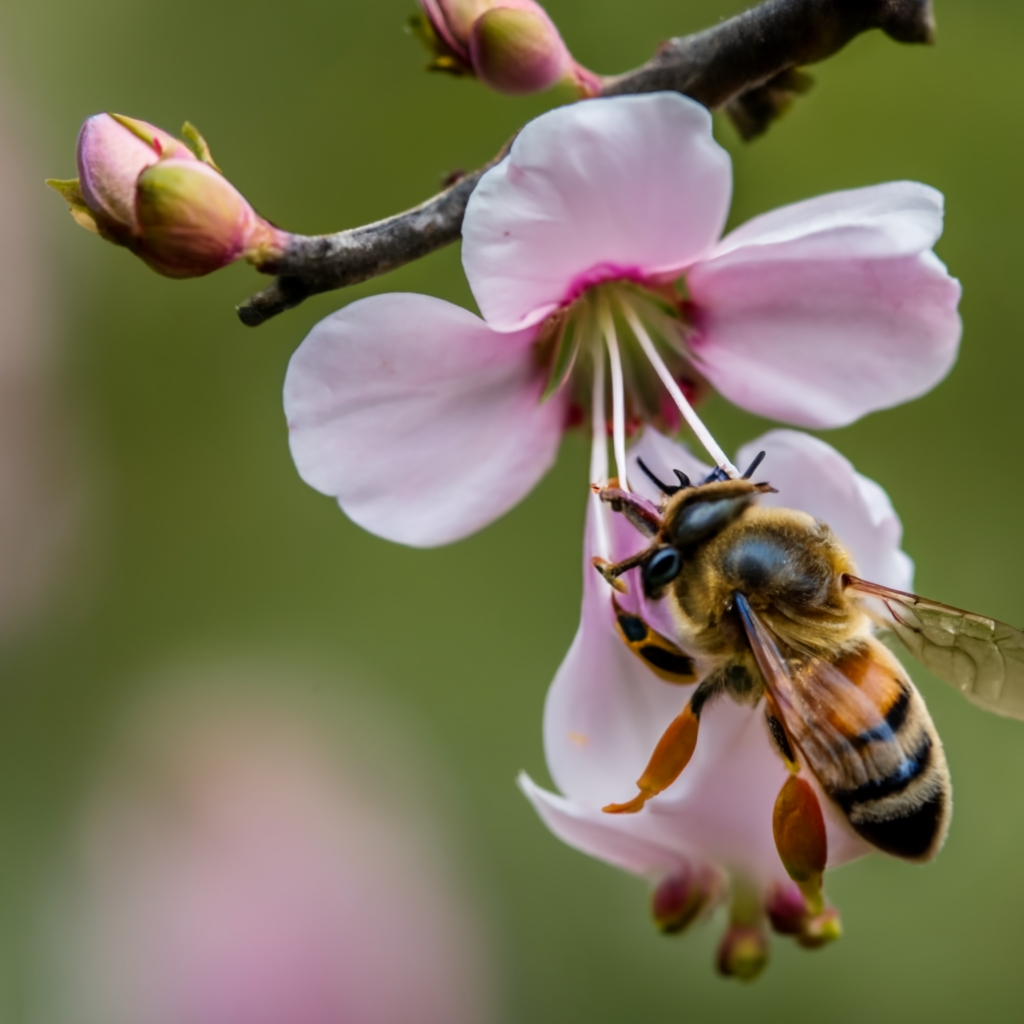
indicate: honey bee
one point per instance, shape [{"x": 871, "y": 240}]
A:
[{"x": 769, "y": 599}]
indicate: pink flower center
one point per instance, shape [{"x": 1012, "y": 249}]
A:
[{"x": 621, "y": 343}]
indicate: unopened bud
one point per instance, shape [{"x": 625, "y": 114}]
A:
[
  {"x": 511, "y": 45},
  {"x": 743, "y": 952},
  {"x": 112, "y": 152},
  {"x": 192, "y": 220},
  {"x": 163, "y": 198},
  {"x": 518, "y": 51},
  {"x": 680, "y": 898}
]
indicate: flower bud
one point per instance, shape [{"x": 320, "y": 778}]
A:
[
  {"x": 192, "y": 220},
  {"x": 743, "y": 952},
  {"x": 112, "y": 153},
  {"x": 163, "y": 198},
  {"x": 511, "y": 45},
  {"x": 517, "y": 51}
]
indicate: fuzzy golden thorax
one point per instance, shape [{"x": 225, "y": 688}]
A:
[{"x": 788, "y": 566}]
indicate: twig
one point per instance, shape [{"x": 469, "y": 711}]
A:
[{"x": 747, "y": 65}]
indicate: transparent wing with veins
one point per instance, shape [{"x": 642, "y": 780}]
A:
[{"x": 981, "y": 657}]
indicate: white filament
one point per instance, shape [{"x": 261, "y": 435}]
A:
[
  {"x": 599, "y": 452},
  {"x": 671, "y": 385},
  {"x": 618, "y": 393}
]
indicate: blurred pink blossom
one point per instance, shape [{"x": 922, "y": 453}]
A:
[{"x": 235, "y": 872}]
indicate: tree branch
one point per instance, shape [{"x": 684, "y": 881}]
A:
[{"x": 747, "y": 65}]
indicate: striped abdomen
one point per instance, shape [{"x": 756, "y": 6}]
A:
[{"x": 867, "y": 736}]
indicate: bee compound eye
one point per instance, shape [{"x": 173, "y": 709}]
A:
[{"x": 662, "y": 568}]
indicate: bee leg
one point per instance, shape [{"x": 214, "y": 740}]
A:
[
  {"x": 657, "y": 652},
  {"x": 780, "y": 737},
  {"x": 671, "y": 755},
  {"x": 799, "y": 828},
  {"x": 644, "y": 515}
]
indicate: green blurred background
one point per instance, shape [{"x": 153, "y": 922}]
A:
[{"x": 197, "y": 538}]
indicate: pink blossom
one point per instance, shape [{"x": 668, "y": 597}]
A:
[
  {"x": 427, "y": 422},
  {"x": 606, "y": 709},
  {"x": 234, "y": 869}
]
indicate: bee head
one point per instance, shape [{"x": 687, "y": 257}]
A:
[{"x": 692, "y": 516}]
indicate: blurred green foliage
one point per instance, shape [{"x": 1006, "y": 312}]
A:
[{"x": 201, "y": 537}]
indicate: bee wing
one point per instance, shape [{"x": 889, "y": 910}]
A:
[
  {"x": 981, "y": 657},
  {"x": 842, "y": 729}
]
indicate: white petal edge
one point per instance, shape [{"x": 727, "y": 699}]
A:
[
  {"x": 607, "y": 837},
  {"x": 898, "y": 218}
]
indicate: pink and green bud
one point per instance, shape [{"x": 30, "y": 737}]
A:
[
  {"x": 112, "y": 152},
  {"x": 163, "y": 198},
  {"x": 510, "y": 45},
  {"x": 192, "y": 220}
]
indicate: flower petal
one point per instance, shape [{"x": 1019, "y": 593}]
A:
[
  {"x": 898, "y": 218},
  {"x": 605, "y": 710},
  {"x": 824, "y": 311},
  {"x": 811, "y": 475},
  {"x": 631, "y": 187},
  {"x": 609, "y": 837},
  {"x": 424, "y": 423}
]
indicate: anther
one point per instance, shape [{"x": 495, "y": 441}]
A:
[
  {"x": 743, "y": 952},
  {"x": 820, "y": 929},
  {"x": 679, "y": 898}
]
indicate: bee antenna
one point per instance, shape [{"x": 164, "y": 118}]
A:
[
  {"x": 684, "y": 480},
  {"x": 668, "y": 489},
  {"x": 758, "y": 459}
]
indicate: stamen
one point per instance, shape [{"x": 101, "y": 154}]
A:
[
  {"x": 599, "y": 454},
  {"x": 687, "y": 410},
  {"x": 618, "y": 390}
]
